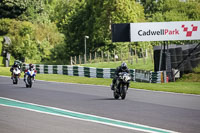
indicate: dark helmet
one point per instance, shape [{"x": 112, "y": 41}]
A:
[
  {"x": 123, "y": 66},
  {"x": 16, "y": 64},
  {"x": 31, "y": 66}
]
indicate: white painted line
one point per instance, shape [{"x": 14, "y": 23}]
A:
[{"x": 75, "y": 115}]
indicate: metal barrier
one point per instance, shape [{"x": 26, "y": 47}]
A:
[{"x": 136, "y": 75}]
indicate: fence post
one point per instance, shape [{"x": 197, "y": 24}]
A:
[
  {"x": 90, "y": 58},
  {"x": 75, "y": 60},
  {"x": 146, "y": 53},
  {"x": 71, "y": 60},
  {"x": 102, "y": 56},
  {"x": 143, "y": 56},
  {"x": 80, "y": 59},
  {"x": 108, "y": 60},
  {"x": 132, "y": 59},
  {"x": 114, "y": 56},
  {"x": 84, "y": 58},
  {"x": 136, "y": 59},
  {"x": 95, "y": 57},
  {"x": 151, "y": 55}
]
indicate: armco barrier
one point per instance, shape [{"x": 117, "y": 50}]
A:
[{"x": 137, "y": 75}]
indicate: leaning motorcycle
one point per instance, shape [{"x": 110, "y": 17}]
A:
[
  {"x": 29, "y": 77},
  {"x": 16, "y": 75},
  {"x": 121, "y": 85}
]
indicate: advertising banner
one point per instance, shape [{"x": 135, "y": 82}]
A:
[{"x": 165, "y": 31}]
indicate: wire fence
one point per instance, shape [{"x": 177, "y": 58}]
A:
[{"x": 106, "y": 56}]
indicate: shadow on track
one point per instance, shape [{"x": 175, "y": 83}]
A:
[{"x": 105, "y": 99}]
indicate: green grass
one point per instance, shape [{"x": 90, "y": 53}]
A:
[
  {"x": 1, "y": 39},
  {"x": 192, "y": 77},
  {"x": 1, "y": 57},
  {"x": 5, "y": 71},
  {"x": 181, "y": 86},
  {"x": 178, "y": 87},
  {"x": 140, "y": 65}
]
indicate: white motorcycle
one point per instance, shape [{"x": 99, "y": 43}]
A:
[
  {"x": 29, "y": 77},
  {"x": 16, "y": 75}
]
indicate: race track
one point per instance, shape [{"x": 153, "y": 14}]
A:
[{"x": 169, "y": 111}]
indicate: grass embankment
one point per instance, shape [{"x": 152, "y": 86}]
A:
[
  {"x": 139, "y": 65},
  {"x": 181, "y": 86}
]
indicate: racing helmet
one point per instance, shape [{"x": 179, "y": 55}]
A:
[
  {"x": 124, "y": 66},
  {"x": 31, "y": 66},
  {"x": 16, "y": 64}
]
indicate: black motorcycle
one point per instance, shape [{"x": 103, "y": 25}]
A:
[{"x": 121, "y": 85}]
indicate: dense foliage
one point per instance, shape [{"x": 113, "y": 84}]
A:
[
  {"x": 53, "y": 30},
  {"x": 32, "y": 42}
]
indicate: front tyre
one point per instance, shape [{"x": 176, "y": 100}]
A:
[
  {"x": 116, "y": 95},
  {"x": 27, "y": 85},
  {"x": 29, "y": 80},
  {"x": 123, "y": 92},
  {"x": 15, "y": 80}
]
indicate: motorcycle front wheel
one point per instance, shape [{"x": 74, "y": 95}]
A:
[
  {"x": 29, "y": 80},
  {"x": 123, "y": 92},
  {"x": 116, "y": 95},
  {"x": 15, "y": 80}
]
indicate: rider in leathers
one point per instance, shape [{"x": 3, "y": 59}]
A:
[
  {"x": 15, "y": 65},
  {"x": 31, "y": 67},
  {"x": 122, "y": 68}
]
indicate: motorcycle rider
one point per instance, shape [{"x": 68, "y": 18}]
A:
[
  {"x": 122, "y": 68},
  {"x": 31, "y": 67},
  {"x": 15, "y": 65}
]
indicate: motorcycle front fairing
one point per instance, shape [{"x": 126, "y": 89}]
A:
[
  {"x": 16, "y": 72},
  {"x": 29, "y": 73}
]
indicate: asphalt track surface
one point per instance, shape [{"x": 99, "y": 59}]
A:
[{"x": 176, "y": 112}]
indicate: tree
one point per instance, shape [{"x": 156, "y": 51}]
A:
[
  {"x": 12, "y": 8},
  {"x": 94, "y": 18},
  {"x": 171, "y": 10},
  {"x": 33, "y": 42}
]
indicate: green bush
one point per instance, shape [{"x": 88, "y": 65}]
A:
[
  {"x": 12, "y": 59},
  {"x": 1, "y": 39},
  {"x": 32, "y": 41},
  {"x": 4, "y": 26},
  {"x": 1, "y": 61},
  {"x": 1, "y": 57},
  {"x": 197, "y": 69}
]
